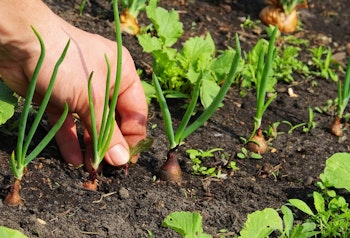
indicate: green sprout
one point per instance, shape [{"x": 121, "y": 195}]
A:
[
  {"x": 102, "y": 139},
  {"x": 184, "y": 130},
  {"x": 290, "y": 5},
  {"x": 256, "y": 142},
  {"x": 343, "y": 99},
  {"x": 19, "y": 159},
  {"x": 307, "y": 126}
]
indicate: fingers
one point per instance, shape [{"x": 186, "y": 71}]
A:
[
  {"x": 131, "y": 112},
  {"x": 132, "y": 108},
  {"x": 67, "y": 139}
]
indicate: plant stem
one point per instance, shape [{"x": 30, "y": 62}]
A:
[
  {"x": 264, "y": 74},
  {"x": 219, "y": 97},
  {"x": 165, "y": 112},
  {"x": 26, "y": 106}
]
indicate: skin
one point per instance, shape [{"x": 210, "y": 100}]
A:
[{"x": 19, "y": 52}]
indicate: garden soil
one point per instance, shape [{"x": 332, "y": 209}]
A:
[{"x": 130, "y": 205}]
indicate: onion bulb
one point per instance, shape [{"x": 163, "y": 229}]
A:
[
  {"x": 275, "y": 14},
  {"x": 128, "y": 23},
  {"x": 258, "y": 143}
]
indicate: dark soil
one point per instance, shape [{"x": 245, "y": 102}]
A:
[{"x": 56, "y": 205}]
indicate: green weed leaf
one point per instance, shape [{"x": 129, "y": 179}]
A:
[
  {"x": 187, "y": 224},
  {"x": 319, "y": 202},
  {"x": 337, "y": 171},
  {"x": 301, "y": 205},
  {"x": 261, "y": 224},
  {"x": 167, "y": 24},
  {"x": 8, "y": 103},
  {"x": 149, "y": 43},
  {"x": 208, "y": 91}
]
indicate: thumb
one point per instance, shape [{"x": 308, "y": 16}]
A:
[{"x": 118, "y": 150}]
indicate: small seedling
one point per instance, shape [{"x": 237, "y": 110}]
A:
[
  {"x": 245, "y": 154},
  {"x": 256, "y": 142},
  {"x": 342, "y": 102},
  {"x": 322, "y": 61},
  {"x": 197, "y": 157},
  {"x": 19, "y": 159},
  {"x": 307, "y": 126},
  {"x": 171, "y": 171},
  {"x": 178, "y": 70}
]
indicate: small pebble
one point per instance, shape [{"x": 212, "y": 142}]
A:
[
  {"x": 308, "y": 181},
  {"x": 124, "y": 193}
]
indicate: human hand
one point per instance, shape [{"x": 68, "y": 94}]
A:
[{"x": 19, "y": 52}]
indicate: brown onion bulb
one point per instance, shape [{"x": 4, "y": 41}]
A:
[
  {"x": 258, "y": 143},
  {"x": 272, "y": 15}
]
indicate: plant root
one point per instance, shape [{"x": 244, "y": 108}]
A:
[
  {"x": 91, "y": 183},
  {"x": 14, "y": 198},
  {"x": 336, "y": 127},
  {"x": 171, "y": 170},
  {"x": 258, "y": 143}
]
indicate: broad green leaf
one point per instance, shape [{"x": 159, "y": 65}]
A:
[
  {"x": 149, "y": 90},
  {"x": 6, "y": 232},
  {"x": 166, "y": 23},
  {"x": 208, "y": 91},
  {"x": 149, "y": 43},
  {"x": 261, "y": 224},
  {"x": 221, "y": 65},
  {"x": 187, "y": 224},
  {"x": 198, "y": 51},
  {"x": 8, "y": 103},
  {"x": 301, "y": 205},
  {"x": 337, "y": 171}
]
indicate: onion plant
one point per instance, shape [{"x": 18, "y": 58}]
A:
[
  {"x": 256, "y": 142},
  {"x": 171, "y": 171},
  {"x": 19, "y": 159},
  {"x": 343, "y": 99},
  {"x": 101, "y": 138}
]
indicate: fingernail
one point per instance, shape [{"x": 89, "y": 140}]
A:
[{"x": 119, "y": 155}]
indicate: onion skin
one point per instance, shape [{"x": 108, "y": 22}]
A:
[
  {"x": 14, "y": 198},
  {"x": 336, "y": 127},
  {"x": 171, "y": 170},
  {"x": 128, "y": 23},
  {"x": 258, "y": 143},
  {"x": 91, "y": 183},
  {"x": 273, "y": 15}
]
